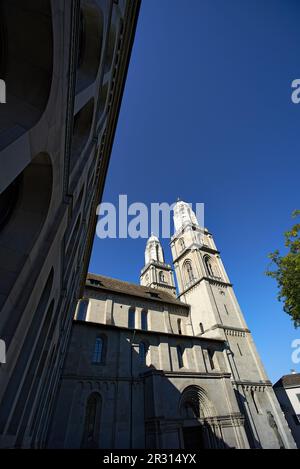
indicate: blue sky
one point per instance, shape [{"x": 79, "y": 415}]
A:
[{"x": 207, "y": 116}]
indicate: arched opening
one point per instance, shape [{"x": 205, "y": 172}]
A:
[
  {"x": 179, "y": 326},
  {"x": 24, "y": 206},
  {"x": 181, "y": 244},
  {"x": 208, "y": 266},
  {"x": 189, "y": 274},
  {"x": 91, "y": 431},
  {"x": 211, "y": 268},
  {"x": 26, "y": 64},
  {"x": 162, "y": 277},
  {"x": 197, "y": 400},
  {"x": 197, "y": 411},
  {"x": 98, "y": 350},
  {"x": 90, "y": 45},
  {"x": 82, "y": 125}
]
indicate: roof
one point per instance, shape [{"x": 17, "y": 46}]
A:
[
  {"x": 287, "y": 381},
  {"x": 119, "y": 286}
]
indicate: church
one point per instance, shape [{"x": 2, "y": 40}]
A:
[{"x": 147, "y": 367}]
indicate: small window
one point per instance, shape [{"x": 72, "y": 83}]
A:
[
  {"x": 162, "y": 277},
  {"x": 211, "y": 358},
  {"x": 98, "y": 350},
  {"x": 179, "y": 326},
  {"x": 92, "y": 422},
  {"x": 82, "y": 310},
  {"x": 142, "y": 352},
  {"x": 182, "y": 244},
  {"x": 131, "y": 318},
  {"x": 201, "y": 328},
  {"x": 189, "y": 272},
  {"x": 227, "y": 312},
  {"x": 239, "y": 348},
  {"x": 144, "y": 320},
  {"x": 208, "y": 266},
  {"x": 179, "y": 356}
]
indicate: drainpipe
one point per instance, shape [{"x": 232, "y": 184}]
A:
[{"x": 131, "y": 393}]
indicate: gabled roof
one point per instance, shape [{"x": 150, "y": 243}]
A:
[
  {"x": 287, "y": 381},
  {"x": 119, "y": 286}
]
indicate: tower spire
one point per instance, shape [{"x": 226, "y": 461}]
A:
[
  {"x": 156, "y": 273},
  {"x": 184, "y": 215}
]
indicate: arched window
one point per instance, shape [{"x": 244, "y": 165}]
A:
[
  {"x": 91, "y": 430},
  {"x": 201, "y": 328},
  {"x": 208, "y": 266},
  {"x": 131, "y": 318},
  {"x": 161, "y": 277},
  {"x": 82, "y": 310},
  {"x": 189, "y": 272},
  {"x": 98, "y": 350},
  {"x": 179, "y": 356},
  {"x": 144, "y": 320},
  {"x": 142, "y": 352},
  {"x": 179, "y": 326},
  {"x": 181, "y": 244}
]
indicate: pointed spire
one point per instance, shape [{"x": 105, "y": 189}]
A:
[
  {"x": 153, "y": 251},
  {"x": 183, "y": 215}
]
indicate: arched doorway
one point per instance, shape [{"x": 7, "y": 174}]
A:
[{"x": 197, "y": 413}]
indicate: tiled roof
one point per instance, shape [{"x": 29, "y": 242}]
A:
[
  {"x": 119, "y": 286},
  {"x": 286, "y": 381}
]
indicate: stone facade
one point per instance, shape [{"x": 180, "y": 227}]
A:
[
  {"x": 64, "y": 64},
  {"x": 142, "y": 377},
  {"x": 145, "y": 369}
]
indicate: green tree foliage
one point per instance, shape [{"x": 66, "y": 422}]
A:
[{"x": 287, "y": 272}]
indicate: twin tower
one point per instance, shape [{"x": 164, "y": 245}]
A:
[
  {"x": 215, "y": 314},
  {"x": 201, "y": 277}
]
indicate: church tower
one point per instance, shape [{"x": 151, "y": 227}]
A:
[
  {"x": 156, "y": 273},
  {"x": 215, "y": 313}
]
